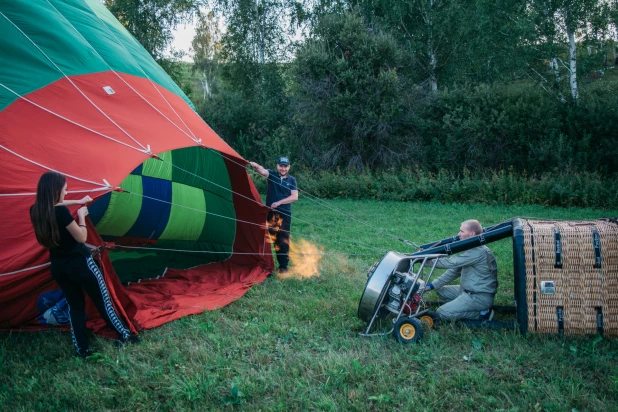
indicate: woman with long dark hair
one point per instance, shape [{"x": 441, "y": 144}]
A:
[{"x": 72, "y": 265}]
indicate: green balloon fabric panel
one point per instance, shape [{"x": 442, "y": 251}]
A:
[
  {"x": 78, "y": 37},
  {"x": 180, "y": 209}
]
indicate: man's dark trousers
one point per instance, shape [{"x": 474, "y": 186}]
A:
[{"x": 282, "y": 237}]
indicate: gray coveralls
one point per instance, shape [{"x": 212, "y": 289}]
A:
[{"x": 479, "y": 283}]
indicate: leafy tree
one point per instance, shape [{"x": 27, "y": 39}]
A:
[
  {"x": 455, "y": 41},
  {"x": 151, "y": 22},
  {"x": 430, "y": 29},
  {"x": 252, "y": 103},
  {"x": 497, "y": 45},
  {"x": 353, "y": 107},
  {"x": 256, "y": 29},
  {"x": 561, "y": 24},
  {"x": 207, "y": 50},
  {"x": 613, "y": 19},
  {"x": 254, "y": 120}
]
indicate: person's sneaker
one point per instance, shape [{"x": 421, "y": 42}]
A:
[
  {"x": 487, "y": 315},
  {"x": 84, "y": 353},
  {"x": 282, "y": 270},
  {"x": 133, "y": 339}
]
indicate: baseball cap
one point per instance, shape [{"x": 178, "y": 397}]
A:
[{"x": 283, "y": 161}]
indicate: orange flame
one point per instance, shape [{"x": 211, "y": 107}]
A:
[
  {"x": 305, "y": 258},
  {"x": 274, "y": 225}
]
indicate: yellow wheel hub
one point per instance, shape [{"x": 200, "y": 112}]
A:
[
  {"x": 427, "y": 321},
  {"x": 407, "y": 331}
]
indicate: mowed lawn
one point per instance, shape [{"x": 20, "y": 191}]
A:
[{"x": 293, "y": 344}]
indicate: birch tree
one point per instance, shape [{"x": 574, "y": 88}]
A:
[
  {"x": 613, "y": 18},
  {"x": 567, "y": 22},
  {"x": 207, "y": 49},
  {"x": 256, "y": 30},
  {"x": 436, "y": 32}
]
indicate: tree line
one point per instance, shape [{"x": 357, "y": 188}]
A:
[{"x": 521, "y": 85}]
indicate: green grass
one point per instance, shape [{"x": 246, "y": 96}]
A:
[{"x": 293, "y": 344}]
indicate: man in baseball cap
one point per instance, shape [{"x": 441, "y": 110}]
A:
[{"x": 282, "y": 191}]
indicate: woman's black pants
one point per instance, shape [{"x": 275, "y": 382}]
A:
[{"x": 76, "y": 274}]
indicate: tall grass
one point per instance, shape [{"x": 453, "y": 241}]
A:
[{"x": 293, "y": 344}]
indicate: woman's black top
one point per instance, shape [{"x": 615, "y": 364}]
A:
[{"x": 68, "y": 245}]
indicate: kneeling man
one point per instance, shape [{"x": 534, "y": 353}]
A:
[{"x": 474, "y": 297}]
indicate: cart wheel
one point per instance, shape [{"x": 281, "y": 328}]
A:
[
  {"x": 408, "y": 330},
  {"x": 430, "y": 320}
]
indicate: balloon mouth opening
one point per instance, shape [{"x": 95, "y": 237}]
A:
[{"x": 173, "y": 212}]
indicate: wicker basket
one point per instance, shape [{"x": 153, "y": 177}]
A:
[{"x": 571, "y": 276}]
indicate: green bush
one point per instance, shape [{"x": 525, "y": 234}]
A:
[
  {"x": 492, "y": 187},
  {"x": 521, "y": 127},
  {"x": 353, "y": 106},
  {"x": 349, "y": 100},
  {"x": 254, "y": 119}
]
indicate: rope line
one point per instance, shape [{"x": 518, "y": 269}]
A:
[
  {"x": 71, "y": 81},
  {"x": 255, "y": 201},
  {"x": 53, "y": 170},
  {"x": 262, "y": 226},
  {"x": 208, "y": 181},
  {"x": 345, "y": 243},
  {"x": 68, "y": 192},
  {"x": 71, "y": 121},
  {"x": 25, "y": 270},
  {"x": 195, "y": 139},
  {"x": 242, "y": 253},
  {"x": 327, "y": 205}
]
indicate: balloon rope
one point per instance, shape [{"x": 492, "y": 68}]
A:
[
  {"x": 261, "y": 225},
  {"x": 242, "y": 253},
  {"x": 100, "y": 189},
  {"x": 148, "y": 77},
  {"x": 25, "y": 270},
  {"x": 195, "y": 139},
  {"x": 327, "y": 205},
  {"x": 259, "y": 203},
  {"x": 69, "y": 120},
  {"x": 71, "y": 81},
  {"x": 54, "y": 170}
]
